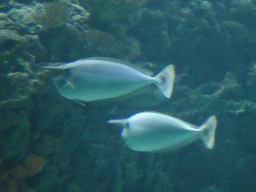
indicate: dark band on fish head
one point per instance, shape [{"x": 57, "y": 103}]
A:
[
  {"x": 60, "y": 78},
  {"x": 127, "y": 125}
]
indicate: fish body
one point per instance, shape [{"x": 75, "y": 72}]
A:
[
  {"x": 152, "y": 132},
  {"x": 98, "y": 79}
]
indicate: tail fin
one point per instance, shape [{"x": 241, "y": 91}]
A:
[
  {"x": 208, "y": 131},
  {"x": 165, "y": 80}
]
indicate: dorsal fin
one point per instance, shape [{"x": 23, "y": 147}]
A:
[
  {"x": 75, "y": 63},
  {"x": 64, "y": 66},
  {"x": 142, "y": 70}
]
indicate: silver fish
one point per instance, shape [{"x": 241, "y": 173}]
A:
[
  {"x": 101, "y": 78},
  {"x": 152, "y": 132}
]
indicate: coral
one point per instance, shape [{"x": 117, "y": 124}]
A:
[
  {"x": 74, "y": 186},
  {"x": 81, "y": 153},
  {"x": 9, "y": 39},
  {"x": 4, "y": 176},
  {"x": 105, "y": 44},
  {"x": 15, "y": 127},
  {"x": 18, "y": 18},
  {"x": 13, "y": 185},
  {"x": 129, "y": 172},
  {"x": 112, "y": 10},
  {"x": 35, "y": 48},
  {"x": 64, "y": 43},
  {"x": 11, "y": 47},
  {"x": 28, "y": 190},
  {"x": 243, "y": 11},
  {"x": 3, "y": 189},
  {"x": 19, "y": 172},
  {"x": 151, "y": 29},
  {"x": 158, "y": 177},
  {"x": 17, "y": 85},
  {"x": 163, "y": 183},
  {"x": 10, "y": 179},
  {"x": 4, "y": 21},
  {"x": 251, "y": 82},
  {"x": 34, "y": 164},
  {"x": 54, "y": 14},
  {"x": 155, "y": 172},
  {"x": 49, "y": 178},
  {"x": 101, "y": 43}
]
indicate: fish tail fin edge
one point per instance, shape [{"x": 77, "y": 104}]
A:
[
  {"x": 165, "y": 80},
  {"x": 208, "y": 130}
]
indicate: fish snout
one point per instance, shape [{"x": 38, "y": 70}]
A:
[{"x": 119, "y": 122}]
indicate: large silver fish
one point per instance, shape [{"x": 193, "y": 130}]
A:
[
  {"x": 101, "y": 78},
  {"x": 152, "y": 132}
]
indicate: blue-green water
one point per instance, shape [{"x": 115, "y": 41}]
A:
[{"x": 51, "y": 144}]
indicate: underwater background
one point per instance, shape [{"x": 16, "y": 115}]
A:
[{"x": 51, "y": 144}]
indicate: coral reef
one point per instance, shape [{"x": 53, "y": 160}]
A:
[
  {"x": 16, "y": 123},
  {"x": 192, "y": 35},
  {"x": 12, "y": 185},
  {"x": 34, "y": 164},
  {"x": 105, "y": 44},
  {"x": 12, "y": 45},
  {"x": 108, "y": 34},
  {"x": 11, "y": 179},
  {"x": 251, "y": 82},
  {"x": 129, "y": 173},
  {"x": 243, "y": 12},
  {"x": 151, "y": 29},
  {"x": 66, "y": 39},
  {"x": 53, "y": 14},
  {"x": 49, "y": 143},
  {"x": 113, "y": 10}
]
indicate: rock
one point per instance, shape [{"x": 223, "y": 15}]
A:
[
  {"x": 64, "y": 43},
  {"x": 150, "y": 28},
  {"x": 9, "y": 40}
]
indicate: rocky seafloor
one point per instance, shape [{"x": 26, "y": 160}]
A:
[{"x": 49, "y": 143}]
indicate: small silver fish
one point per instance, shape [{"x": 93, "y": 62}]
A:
[
  {"x": 153, "y": 132},
  {"x": 102, "y": 78}
]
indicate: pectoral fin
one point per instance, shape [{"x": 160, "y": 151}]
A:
[
  {"x": 79, "y": 102},
  {"x": 69, "y": 83}
]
